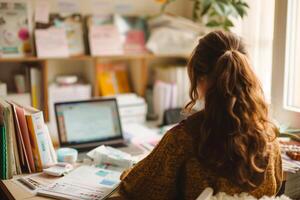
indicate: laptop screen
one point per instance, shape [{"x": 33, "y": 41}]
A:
[{"x": 88, "y": 121}]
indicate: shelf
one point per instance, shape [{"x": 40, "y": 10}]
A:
[{"x": 87, "y": 57}]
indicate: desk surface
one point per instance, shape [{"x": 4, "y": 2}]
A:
[
  {"x": 12, "y": 190},
  {"x": 17, "y": 192}
]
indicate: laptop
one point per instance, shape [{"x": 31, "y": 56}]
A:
[{"x": 85, "y": 125}]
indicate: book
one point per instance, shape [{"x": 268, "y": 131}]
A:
[
  {"x": 25, "y": 136},
  {"x": 39, "y": 138},
  {"x": 23, "y": 159},
  {"x": 112, "y": 79},
  {"x": 14, "y": 142},
  {"x": 177, "y": 77},
  {"x": 106, "y": 80},
  {"x": 122, "y": 78},
  {"x": 3, "y": 163},
  {"x": 36, "y": 87},
  {"x": 9, "y": 131}
]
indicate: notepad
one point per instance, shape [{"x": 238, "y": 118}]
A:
[{"x": 85, "y": 182}]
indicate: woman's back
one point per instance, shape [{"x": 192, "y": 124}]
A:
[{"x": 173, "y": 170}]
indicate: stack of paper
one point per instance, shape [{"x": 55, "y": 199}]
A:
[
  {"x": 25, "y": 144},
  {"x": 85, "y": 182},
  {"x": 132, "y": 108},
  {"x": 288, "y": 164}
]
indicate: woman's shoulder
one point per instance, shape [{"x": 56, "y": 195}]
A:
[
  {"x": 184, "y": 134},
  {"x": 193, "y": 123}
]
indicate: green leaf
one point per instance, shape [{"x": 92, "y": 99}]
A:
[
  {"x": 213, "y": 23},
  {"x": 205, "y": 5},
  {"x": 213, "y": 13},
  {"x": 228, "y": 23},
  {"x": 241, "y": 11},
  {"x": 219, "y": 8},
  {"x": 205, "y": 9}
]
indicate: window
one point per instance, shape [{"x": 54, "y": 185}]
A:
[
  {"x": 292, "y": 61},
  {"x": 286, "y": 63},
  {"x": 271, "y": 31}
]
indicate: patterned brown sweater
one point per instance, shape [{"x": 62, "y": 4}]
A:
[{"x": 172, "y": 171}]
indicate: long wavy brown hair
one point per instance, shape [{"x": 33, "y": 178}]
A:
[{"x": 235, "y": 130}]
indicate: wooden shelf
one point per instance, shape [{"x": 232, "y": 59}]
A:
[
  {"x": 142, "y": 59},
  {"x": 87, "y": 57}
]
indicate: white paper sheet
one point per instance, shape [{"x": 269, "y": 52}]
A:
[{"x": 85, "y": 182}]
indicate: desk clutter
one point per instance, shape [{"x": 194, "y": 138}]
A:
[
  {"x": 87, "y": 182},
  {"x": 25, "y": 144},
  {"x": 290, "y": 156},
  {"x": 93, "y": 181}
]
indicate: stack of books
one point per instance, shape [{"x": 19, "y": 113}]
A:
[
  {"x": 25, "y": 145},
  {"x": 132, "y": 108},
  {"x": 170, "y": 89}
]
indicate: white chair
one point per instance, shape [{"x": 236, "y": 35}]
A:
[{"x": 206, "y": 194}]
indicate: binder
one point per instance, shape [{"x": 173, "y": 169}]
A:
[
  {"x": 9, "y": 131},
  {"x": 3, "y": 163}
]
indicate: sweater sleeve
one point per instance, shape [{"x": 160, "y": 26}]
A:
[{"x": 155, "y": 176}]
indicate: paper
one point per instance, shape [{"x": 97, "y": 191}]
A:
[
  {"x": 105, "y": 40},
  {"x": 42, "y": 8},
  {"x": 35, "y": 181},
  {"x": 85, "y": 182},
  {"x": 51, "y": 42},
  {"x": 109, "y": 155}
]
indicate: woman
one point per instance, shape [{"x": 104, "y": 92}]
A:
[{"x": 230, "y": 145}]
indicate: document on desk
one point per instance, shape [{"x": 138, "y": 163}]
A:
[{"x": 85, "y": 182}]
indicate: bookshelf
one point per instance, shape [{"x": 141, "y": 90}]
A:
[{"x": 140, "y": 62}]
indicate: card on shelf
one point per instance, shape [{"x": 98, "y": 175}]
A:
[
  {"x": 105, "y": 40},
  {"x": 51, "y": 42}
]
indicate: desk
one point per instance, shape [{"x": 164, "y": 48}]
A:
[{"x": 12, "y": 191}]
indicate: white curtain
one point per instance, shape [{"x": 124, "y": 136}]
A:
[{"x": 257, "y": 31}]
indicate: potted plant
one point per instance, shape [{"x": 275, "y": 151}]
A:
[{"x": 215, "y": 13}]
